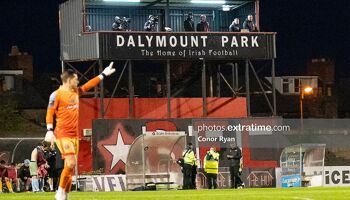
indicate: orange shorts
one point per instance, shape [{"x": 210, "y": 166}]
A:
[{"x": 68, "y": 146}]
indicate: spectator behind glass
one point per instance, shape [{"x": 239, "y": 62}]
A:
[
  {"x": 188, "y": 23},
  {"x": 24, "y": 175},
  {"x": 249, "y": 24},
  {"x": 203, "y": 25},
  {"x": 234, "y": 27}
]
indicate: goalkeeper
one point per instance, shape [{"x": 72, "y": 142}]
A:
[{"x": 64, "y": 106}]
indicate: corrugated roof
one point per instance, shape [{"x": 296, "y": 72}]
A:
[{"x": 172, "y": 3}]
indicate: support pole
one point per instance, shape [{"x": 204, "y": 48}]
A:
[
  {"x": 77, "y": 71},
  {"x": 236, "y": 77},
  {"x": 131, "y": 91},
  {"x": 228, "y": 85},
  {"x": 233, "y": 76},
  {"x": 167, "y": 14},
  {"x": 204, "y": 90},
  {"x": 116, "y": 85},
  {"x": 301, "y": 110},
  {"x": 211, "y": 89},
  {"x": 261, "y": 86},
  {"x": 62, "y": 66},
  {"x": 168, "y": 88},
  {"x": 218, "y": 79},
  {"x": 87, "y": 71},
  {"x": 95, "y": 88},
  {"x": 247, "y": 86},
  {"x": 102, "y": 95},
  {"x": 273, "y": 81},
  {"x": 257, "y": 14}
]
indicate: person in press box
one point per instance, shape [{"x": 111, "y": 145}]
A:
[{"x": 189, "y": 23}]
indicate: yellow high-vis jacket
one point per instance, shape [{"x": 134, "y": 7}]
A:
[
  {"x": 189, "y": 157},
  {"x": 211, "y": 162}
]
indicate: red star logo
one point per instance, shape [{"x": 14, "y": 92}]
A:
[{"x": 115, "y": 149}]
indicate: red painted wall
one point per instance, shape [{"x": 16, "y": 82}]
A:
[{"x": 151, "y": 108}]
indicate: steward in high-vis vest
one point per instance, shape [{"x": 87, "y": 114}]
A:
[
  {"x": 189, "y": 161},
  {"x": 211, "y": 167}
]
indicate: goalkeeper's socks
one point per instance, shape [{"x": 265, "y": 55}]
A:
[
  {"x": 68, "y": 185},
  {"x": 0, "y": 185},
  {"x": 66, "y": 177}
]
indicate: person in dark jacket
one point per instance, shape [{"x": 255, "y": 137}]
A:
[
  {"x": 188, "y": 23},
  {"x": 249, "y": 24},
  {"x": 117, "y": 24},
  {"x": 234, "y": 27},
  {"x": 203, "y": 25},
  {"x": 234, "y": 156},
  {"x": 24, "y": 174},
  {"x": 59, "y": 167},
  {"x": 50, "y": 156},
  {"x": 194, "y": 175}
]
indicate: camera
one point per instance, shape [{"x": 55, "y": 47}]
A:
[
  {"x": 125, "y": 23},
  {"x": 155, "y": 19},
  {"x": 121, "y": 24}
]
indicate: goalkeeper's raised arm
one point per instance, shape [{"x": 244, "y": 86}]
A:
[{"x": 95, "y": 81}]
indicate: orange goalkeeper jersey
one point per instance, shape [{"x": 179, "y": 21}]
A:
[{"x": 64, "y": 105}]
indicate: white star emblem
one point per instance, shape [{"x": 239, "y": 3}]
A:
[{"x": 119, "y": 150}]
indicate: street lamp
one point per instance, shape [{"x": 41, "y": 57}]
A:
[{"x": 304, "y": 91}]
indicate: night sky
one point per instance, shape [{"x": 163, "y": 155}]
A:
[{"x": 305, "y": 28}]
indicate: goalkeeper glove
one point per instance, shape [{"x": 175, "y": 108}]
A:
[
  {"x": 49, "y": 137},
  {"x": 107, "y": 71}
]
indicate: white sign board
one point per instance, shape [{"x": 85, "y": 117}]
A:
[
  {"x": 337, "y": 176},
  {"x": 103, "y": 183},
  {"x": 333, "y": 176}
]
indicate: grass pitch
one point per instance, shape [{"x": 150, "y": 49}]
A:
[{"x": 260, "y": 194}]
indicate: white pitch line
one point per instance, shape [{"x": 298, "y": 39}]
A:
[{"x": 302, "y": 198}]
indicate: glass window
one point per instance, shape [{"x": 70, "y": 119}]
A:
[
  {"x": 296, "y": 85},
  {"x": 285, "y": 85}
]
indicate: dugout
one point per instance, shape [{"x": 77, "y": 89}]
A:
[
  {"x": 302, "y": 165},
  {"x": 152, "y": 160}
]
